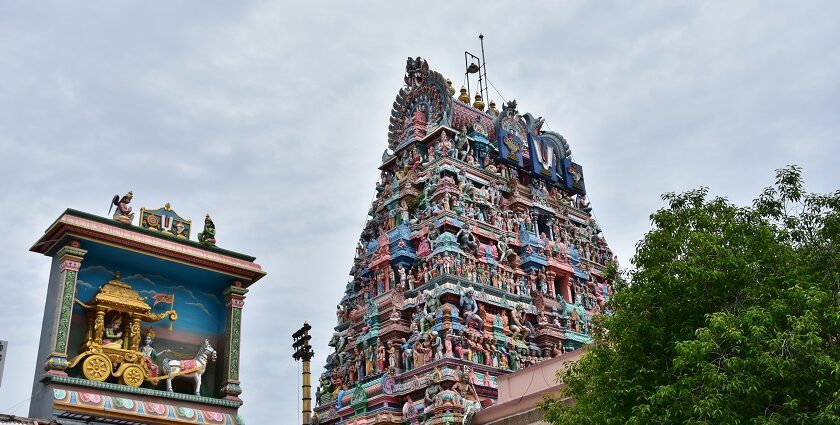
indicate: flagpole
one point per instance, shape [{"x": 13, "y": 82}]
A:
[{"x": 171, "y": 307}]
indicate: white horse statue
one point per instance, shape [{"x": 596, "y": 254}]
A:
[{"x": 191, "y": 368}]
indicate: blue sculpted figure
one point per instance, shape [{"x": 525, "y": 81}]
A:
[
  {"x": 407, "y": 349},
  {"x": 470, "y": 308}
]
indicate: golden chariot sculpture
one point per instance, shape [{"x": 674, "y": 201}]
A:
[{"x": 115, "y": 350}]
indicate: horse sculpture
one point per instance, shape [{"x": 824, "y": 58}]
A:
[{"x": 191, "y": 368}]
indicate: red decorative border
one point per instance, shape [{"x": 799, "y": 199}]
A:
[{"x": 69, "y": 224}]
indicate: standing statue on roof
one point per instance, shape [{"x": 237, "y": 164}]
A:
[
  {"x": 123, "y": 212},
  {"x": 208, "y": 235}
]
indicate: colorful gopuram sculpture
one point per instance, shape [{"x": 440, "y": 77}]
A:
[
  {"x": 480, "y": 257},
  {"x": 141, "y": 323}
]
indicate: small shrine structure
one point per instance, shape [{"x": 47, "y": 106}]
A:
[
  {"x": 480, "y": 257},
  {"x": 141, "y": 322}
]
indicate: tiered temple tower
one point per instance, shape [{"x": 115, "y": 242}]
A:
[
  {"x": 480, "y": 257},
  {"x": 142, "y": 322}
]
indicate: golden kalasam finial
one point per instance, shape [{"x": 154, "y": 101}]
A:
[
  {"x": 449, "y": 87},
  {"x": 479, "y": 103},
  {"x": 464, "y": 97}
]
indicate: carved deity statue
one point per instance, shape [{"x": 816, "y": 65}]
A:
[
  {"x": 123, "y": 212},
  {"x": 469, "y": 308},
  {"x": 466, "y": 238},
  {"x": 150, "y": 354},
  {"x": 208, "y": 235},
  {"x": 98, "y": 328},
  {"x": 113, "y": 333},
  {"x": 517, "y": 318},
  {"x": 462, "y": 144},
  {"x": 408, "y": 409},
  {"x": 432, "y": 390},
  {"x": 403, "y": 278},
  {"x": 463, "y": 386}
]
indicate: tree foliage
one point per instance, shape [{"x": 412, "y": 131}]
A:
[{"x": 731, "y": 316}]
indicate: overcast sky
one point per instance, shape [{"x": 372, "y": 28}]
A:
[{"x": 272, "y": 117}]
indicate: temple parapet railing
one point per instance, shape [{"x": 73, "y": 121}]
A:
[
  {"x": 481, "y": 376},
  {"x": 142, "y": 391},
  {"x": 451, "y": 284}
]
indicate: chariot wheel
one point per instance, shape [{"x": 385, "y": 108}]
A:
[
  {"x": 97, "y": 367},
  {"x": 132, "y": 376}
]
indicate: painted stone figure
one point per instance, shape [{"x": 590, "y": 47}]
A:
[
  {"x": 208, "y": 235},
  {"x": 150, "y": 354},
  {"x": 113, "y": 333},
  {"x": 466, "y": 238},
  {"x": 469, "y": 307},
  {"x": 123, "y": 212},
  {"x": 191, "y": 369}
]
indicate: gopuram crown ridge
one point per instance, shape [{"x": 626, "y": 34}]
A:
[{"x": 480, "y": 257}]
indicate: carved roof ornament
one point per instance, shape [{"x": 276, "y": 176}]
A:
[
  {"x": 120, "y": 296},
  {"x": 425, "y": 91},
  {"x": 116, "y": 295},
  {"x": 166, "y": 221},
  {"x": 509, "y": 108},
  {"x": 415, "y": 71},
  {"x": 479, "y": 103},
  {"x": 464, "y": 97}
]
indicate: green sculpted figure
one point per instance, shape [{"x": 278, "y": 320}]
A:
[{"x": 208, "y": 235}]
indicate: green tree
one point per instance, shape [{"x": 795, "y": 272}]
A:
[{"x": 730, "y": 315}]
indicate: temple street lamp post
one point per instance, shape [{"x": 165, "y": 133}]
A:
[{"x": 303, "y": 351}]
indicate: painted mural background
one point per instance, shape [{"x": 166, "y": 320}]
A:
[{"x": 198, "y": 300}]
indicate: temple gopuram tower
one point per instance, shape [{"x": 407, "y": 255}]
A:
[
  {"x": 141, "y": 322},
  {"x": 480, "y": 257}
]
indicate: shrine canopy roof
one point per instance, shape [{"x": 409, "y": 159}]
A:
[{"x": 133, "y": 243}]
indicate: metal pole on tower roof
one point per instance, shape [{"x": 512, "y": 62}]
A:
[
  {"x": 466, "y": 71},
  {"x": 484, "y": 65}
]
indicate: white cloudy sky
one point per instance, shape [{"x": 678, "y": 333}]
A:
[{"x": 272, "y": 116}]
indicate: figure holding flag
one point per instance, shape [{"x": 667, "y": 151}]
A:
[{"x": 165, "y": 299}]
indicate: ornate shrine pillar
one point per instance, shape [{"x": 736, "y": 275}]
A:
[
  {"x": 535, "y": 222},
  {"x": 69, "y": 263},
  {"x": 382, "y": 279},
  {"x": 234, "y": 301},
  {"x": 550, "y": 283},
  {"x": 418, "y": 120},
  {"x": 566, "y": 289},
  {"x": 387, "y": 271},
  {"x": 549, "y": 223}
]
